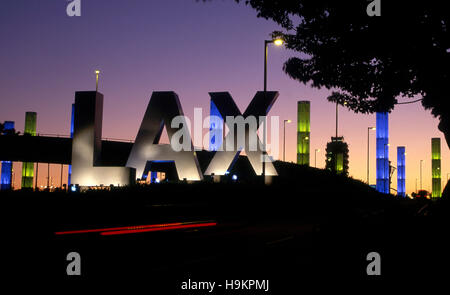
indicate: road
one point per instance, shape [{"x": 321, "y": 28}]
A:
[{"x": 122, "y": 244}]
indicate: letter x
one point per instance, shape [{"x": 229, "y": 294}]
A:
[{"x": 259, "y": 106}]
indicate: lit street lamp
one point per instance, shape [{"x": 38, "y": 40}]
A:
[
  {"x": 284, "y": 138},
  {"x": 97, "y": 72},
  {"x": 368, "y": 146},
  {"x": 277, "y": 42}
]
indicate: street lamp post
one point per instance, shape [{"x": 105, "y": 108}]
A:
[
  {"x": 97, "y": 72},
  {"x": 336, "y": 120},
  {"x": 315, "y": 157},
  {"x": 277, "y": 42},
  {"x": 62, "y": 167},
  {"x": 48, "y": 176},
  {"x": 368, "y": 149},
  {"x": 284, "y": 138},
  {"x": 36, "y": 188},
  {"x": 13, "y": 176},
  {"x": 337, "y": 117},
  {"x": 421, "y": 174}
]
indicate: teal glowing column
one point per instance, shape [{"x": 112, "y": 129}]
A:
[
  {"x": 436, "y": 167},
  {"x": 27, "y": 167},
  {"x": 303, "y": 132},
  {"x": 401, "y": 179}
]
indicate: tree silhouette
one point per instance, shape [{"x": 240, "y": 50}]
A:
[
  {"x": 334, "y": 148},
  {"x": 368, "y": 62}
]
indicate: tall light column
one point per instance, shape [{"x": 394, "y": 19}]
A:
[
  {"x": 27, "y": 167},
  {"x": 436, "y": 167},
  {"x": 303, "y": 132},
  {"x": 382, "y": 152},
  {"x": 6, "y": 176},
  {"x": 401, "y": 179}
]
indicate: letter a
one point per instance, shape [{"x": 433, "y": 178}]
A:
[
  {"x": 374, "y": 267},
  {"x": 162, "y": 109},
  {"x": 74, "y": 8},
  {"x": 374, "y": 8},
  {"x": 74, "y": 267}
]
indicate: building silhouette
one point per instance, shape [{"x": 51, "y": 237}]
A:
[{"x": 303, "y": 132}]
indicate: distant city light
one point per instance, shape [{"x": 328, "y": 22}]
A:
[{"x": 234, "y": 177}]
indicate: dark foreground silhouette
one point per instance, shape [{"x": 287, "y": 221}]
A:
[{"x": 300, "y": 231}]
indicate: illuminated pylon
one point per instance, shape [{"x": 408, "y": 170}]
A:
[
  {"x": 303, "y": 132},
  {"x": 436, "y": 167},
  {"x": 401, "y": 185},
  {"x": 28, "y": 167},
  {"x": 383, "y": 152},
  {"x": 6, "y": 176}
]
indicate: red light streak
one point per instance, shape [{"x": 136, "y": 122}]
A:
[
  {"x": 132, "y": 231},
  {"x": 139, "y": 228}
]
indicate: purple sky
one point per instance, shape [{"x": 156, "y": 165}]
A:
[{"x": 186, "y": 46}]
